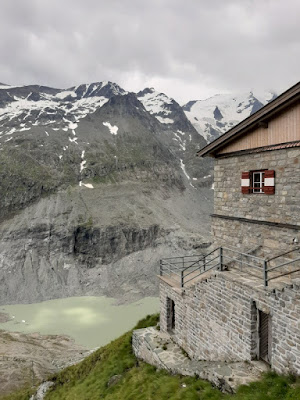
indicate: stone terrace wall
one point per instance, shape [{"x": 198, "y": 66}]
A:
[
  {"x": 216, "y": 319},
  {"x": 247, "y": 235}
]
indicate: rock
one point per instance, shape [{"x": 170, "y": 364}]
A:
[
  {"x": 80, "y": 243},
  {"x": 42, "y": 390},
  {"x": 34, "y": 357},
  {"x": 114, "y": 380},
  {"x": 60, "y": 238},
  {"x": 4, "y": 317}
]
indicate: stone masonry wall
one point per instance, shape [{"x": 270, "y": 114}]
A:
[
  {"x": 248, "y": 236},
  {"x": 216, "y": 319},
  {"x": 282, "y": 207}
]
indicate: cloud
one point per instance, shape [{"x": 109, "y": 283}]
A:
[{"x": 187, "y": 48}]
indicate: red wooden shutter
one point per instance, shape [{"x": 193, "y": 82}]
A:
[
  {"x": 245, "y": 182},
  {"x": 269, "y": 187}
]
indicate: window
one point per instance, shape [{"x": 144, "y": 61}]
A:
[{"x": 260, "y": 181}]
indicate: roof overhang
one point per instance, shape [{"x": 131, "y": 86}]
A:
[{"x": 260, "y": 118}]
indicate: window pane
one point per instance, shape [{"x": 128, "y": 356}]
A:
[
  {"x": 257, "y": 182},
  {"x": 256, "y": 177}
]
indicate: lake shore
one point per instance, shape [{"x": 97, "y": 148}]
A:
[
  {"x": 37, "y": 340},
  {"x": 4, "y": 317}
]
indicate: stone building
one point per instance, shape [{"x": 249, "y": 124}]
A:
[{"x": 241, "y": 300}]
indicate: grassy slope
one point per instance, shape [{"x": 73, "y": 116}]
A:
[{"x": 89, "y": 380}]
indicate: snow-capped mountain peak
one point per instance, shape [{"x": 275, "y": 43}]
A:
[
  {"x": 36, "y": 105},
  {"x": 217, "y": 114},
  {"x": 158, "y": 104}
]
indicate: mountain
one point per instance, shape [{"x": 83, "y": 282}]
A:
[
  {"x": 178, "y": 133},
  {"x": 95, "y": 189},
  {"x": 28, "y": 106},
  {"x": 51, "y": 138},
  {"x": 216, "y": 115},
  {"x": 97, "y": 184},
  {"x": 59, "y": 134}
]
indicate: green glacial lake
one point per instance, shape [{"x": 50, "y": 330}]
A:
[{"x": 91, "y": 321}]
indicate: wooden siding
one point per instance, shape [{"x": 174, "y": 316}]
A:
[{"x": 284, "y": 128}]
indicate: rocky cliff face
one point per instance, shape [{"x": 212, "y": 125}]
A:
[
  {"x": 117, "y": 141},
  {"x": 103, "y": 241},
  {"x": 95, "y": 189}
]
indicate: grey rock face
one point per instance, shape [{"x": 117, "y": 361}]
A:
[
  {"x": 217, "y": 114},
  {"x": 114, "y": 242},
  {"x": 102, "y": 241},
  {"x": 42, "y": 390},
  {"x": 94, "y": 190}
]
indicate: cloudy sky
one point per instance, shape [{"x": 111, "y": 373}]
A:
[{"x": 189, "y": 49}]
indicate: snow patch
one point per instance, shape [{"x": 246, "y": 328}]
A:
[
  {"x": 7, "y": 87},
  {"x": 182, "y": 165},
  {"x": 88, "y": 185},
  {"x": 164, "y": 120},
  {"x": 63, "y": 95},
  {"x": 112, "y": 128},
  {"x": 72, "y": 125},
  {"x": 233, "y": 107},
  {"x": 83, "y": 161},
  {"x": 155, "y": 102},
  {"x": 36, "y": 111},
  {"x": 182, "y": 143},
  {"x": 73, "y": 140}
]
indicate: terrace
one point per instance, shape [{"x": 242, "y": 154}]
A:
[{"x": 265, "y": 272}]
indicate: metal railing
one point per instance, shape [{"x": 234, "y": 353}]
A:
[
  {"x": 187, "y": 268},
  {"x": 281, "y": 267}
]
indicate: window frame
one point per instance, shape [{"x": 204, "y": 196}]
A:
[
  {"x": 261, "y": 182},
  {"x": 266, "y": 182}
]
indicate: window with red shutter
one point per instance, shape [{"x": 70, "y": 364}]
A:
[{"x": 262, "y": 181}]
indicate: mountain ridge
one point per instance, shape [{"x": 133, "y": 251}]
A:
[
  {"x": 215, "y": 115},
  {"x": 97, "y": 184}
]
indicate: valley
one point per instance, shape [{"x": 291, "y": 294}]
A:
[{"x": 97, "y": 185}]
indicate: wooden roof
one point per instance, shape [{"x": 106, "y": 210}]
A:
[{"x": 261, "y": 117}]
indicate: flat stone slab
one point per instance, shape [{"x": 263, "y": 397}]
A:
[{"x": 158, "y": 349}]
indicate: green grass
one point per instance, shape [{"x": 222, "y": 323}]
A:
[
  {"x": 134, "y": 380},
  {"x": 21, "y": 394}
]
